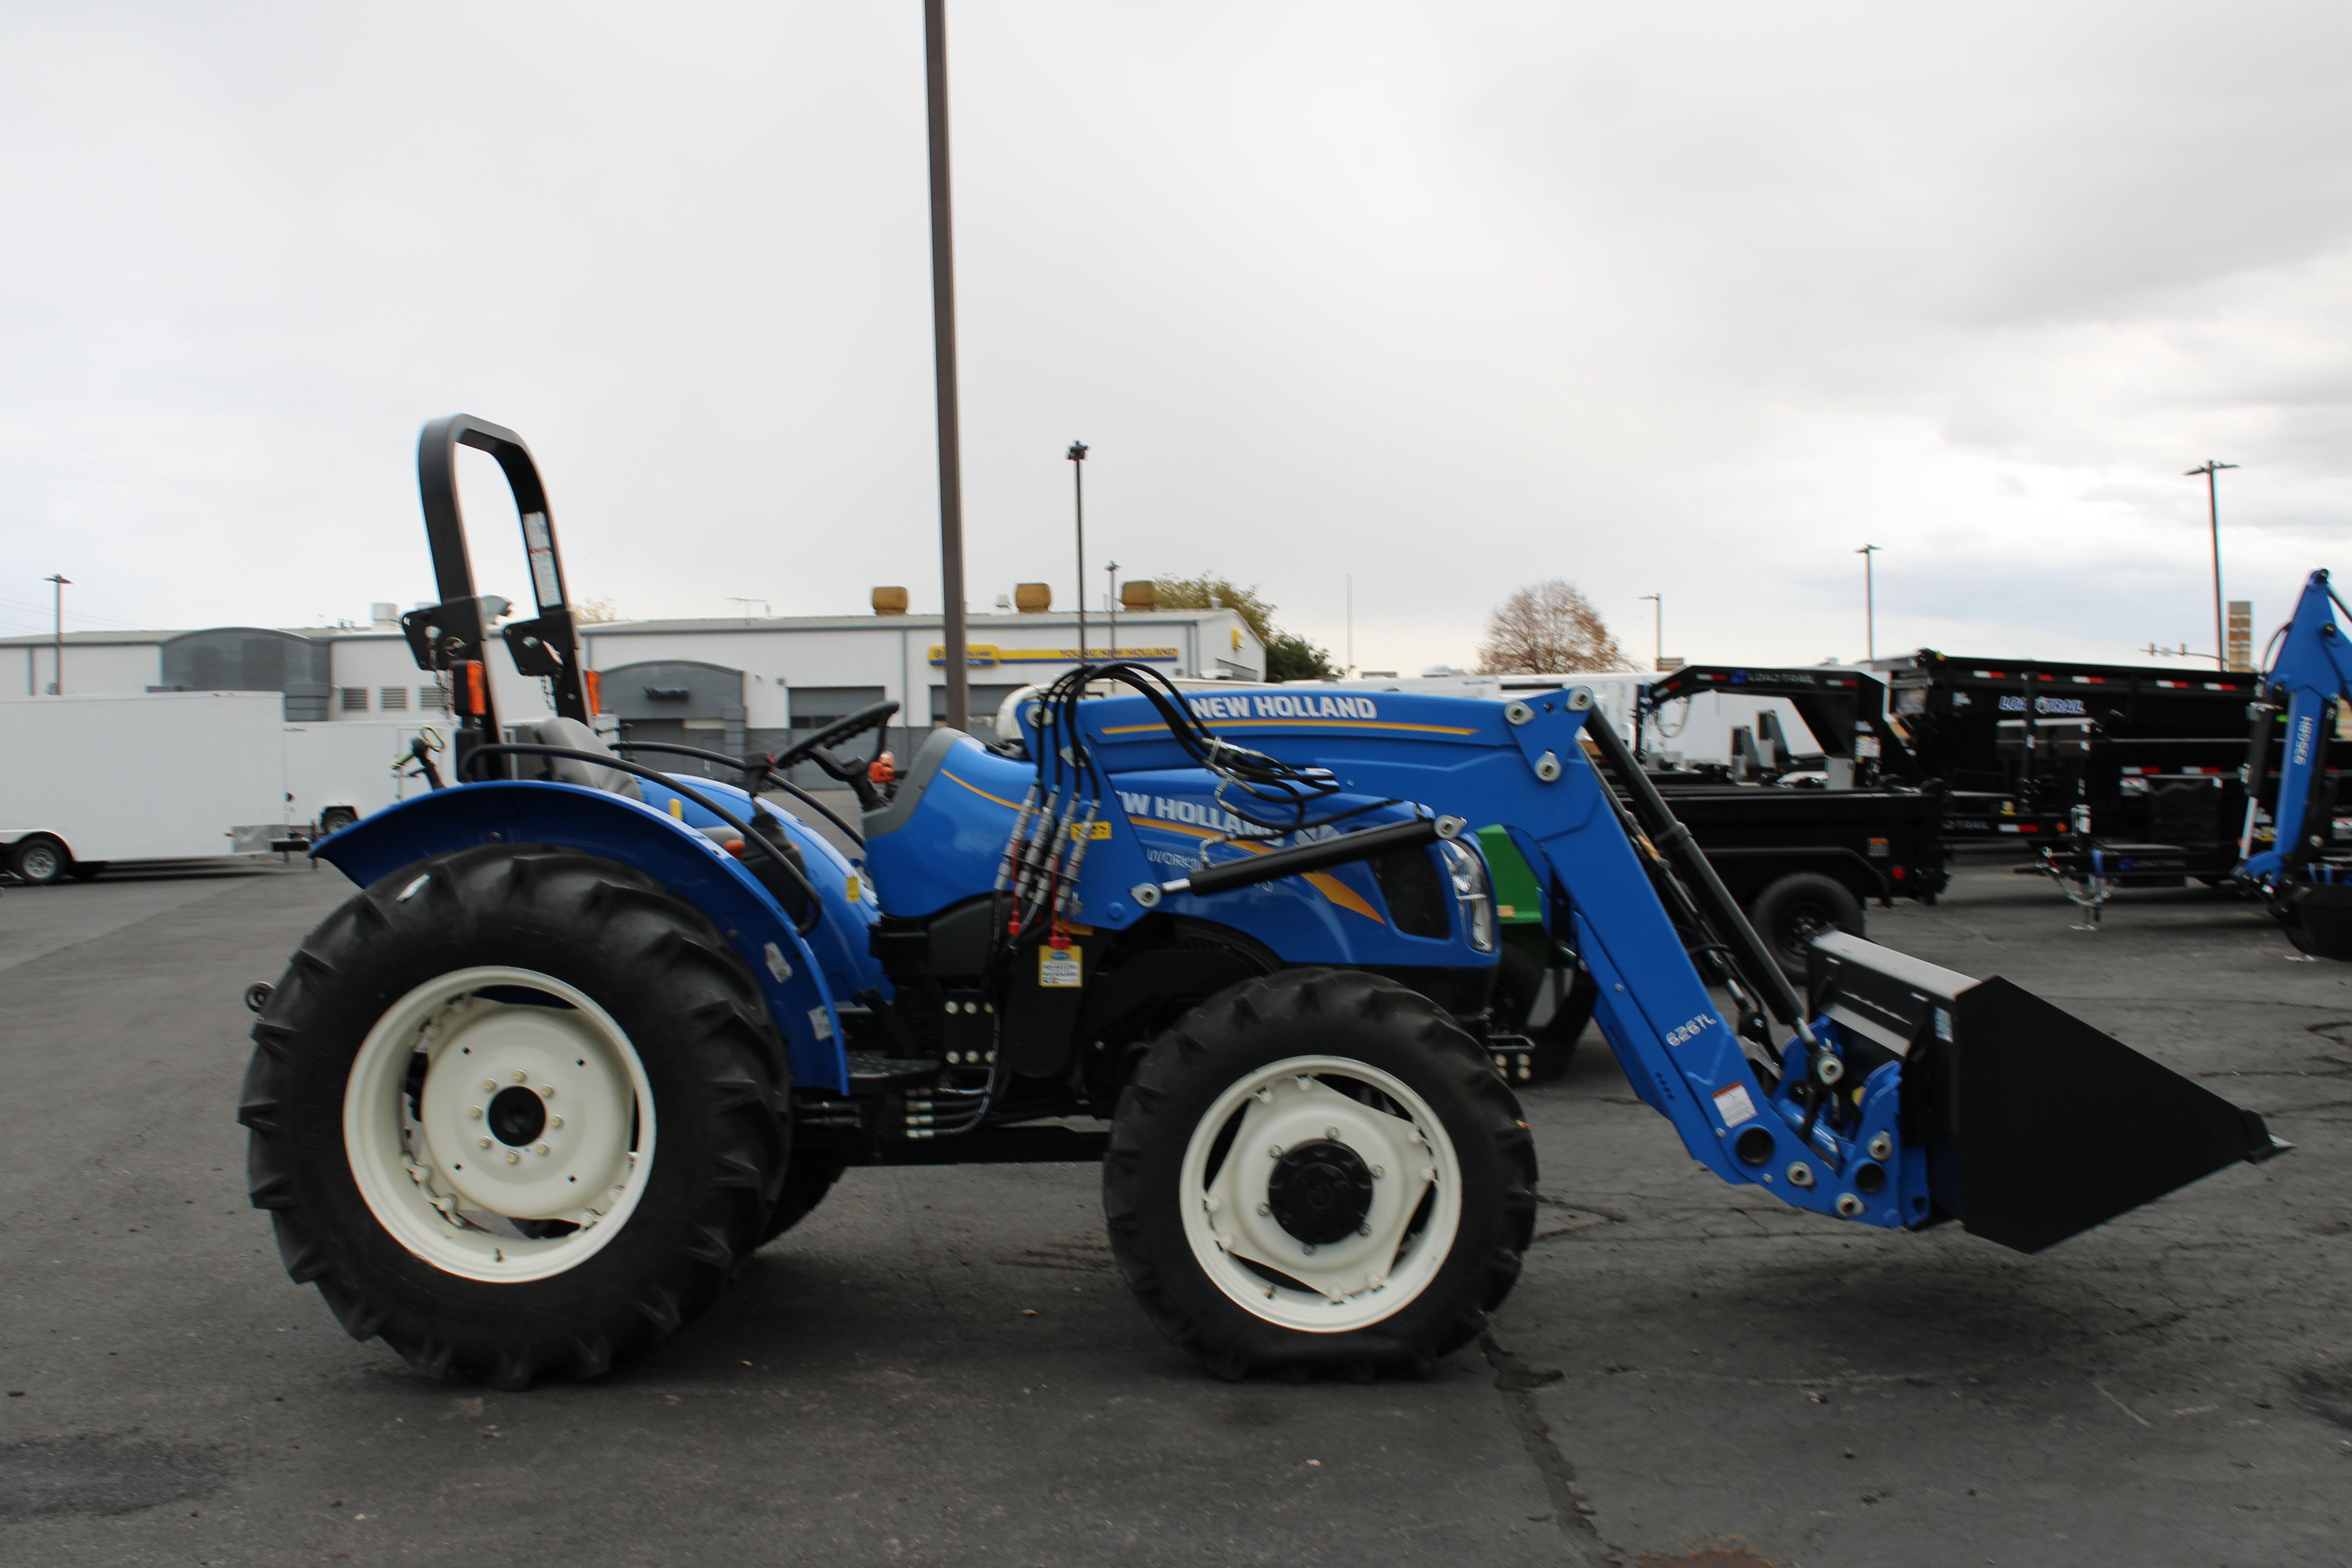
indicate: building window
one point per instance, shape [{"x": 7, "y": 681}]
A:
[
  {"x": 393, "y": 699},
  {"x": 432, "y": 700},
  {"x": 355, "y": 700}
]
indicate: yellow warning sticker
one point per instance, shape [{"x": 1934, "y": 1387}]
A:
[
  {"x": 1090, "y": 830},
  {"x": 1059, "y": 970},
  {"x": 856, "y": 888}
]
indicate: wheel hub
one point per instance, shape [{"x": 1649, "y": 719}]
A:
[
  {"x": 1320, "y": 1191},
  {"x": 517, "y": 1117}
]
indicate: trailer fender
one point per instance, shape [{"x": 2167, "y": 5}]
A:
[{"x": 683, "y": 860}]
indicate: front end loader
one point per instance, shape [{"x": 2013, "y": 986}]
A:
[{"x": 589, "y": 1033}]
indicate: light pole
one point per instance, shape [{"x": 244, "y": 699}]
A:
[
  {"x": 1078, "y": 455},
  {"x": 1869, "y": 602},
  {"x": 2209, "y": 469},
  {"x": 1658, "y": 648},
  {"x": 1351, "y": 626},
  {"x": 57, "y": 655},
  {"x": 1110, "y": 607},
  {"x": 943, "y": 358}
]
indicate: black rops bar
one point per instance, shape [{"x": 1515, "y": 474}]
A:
[
  {"x": 2036, "y": 1125},
  {"x": 1339, "y": 851},
  {"x": 456, "y": 631}
]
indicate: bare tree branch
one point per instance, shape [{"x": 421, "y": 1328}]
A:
[{"x": 1546, "y": 629}]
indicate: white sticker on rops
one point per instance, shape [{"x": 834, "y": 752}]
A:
[
  {"x": 821, "y": 1023},
  {"x": 1734, "y": 1105},
  {"x": 778, "y": 965}
]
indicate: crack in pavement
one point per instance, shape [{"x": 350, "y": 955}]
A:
[{"x": 1514, "y": 1381}]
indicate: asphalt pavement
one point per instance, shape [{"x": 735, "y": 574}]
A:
[{"x": 942, "y": 1366}]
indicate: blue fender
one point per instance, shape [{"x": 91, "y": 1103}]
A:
[{"x": 662, "y": 846}]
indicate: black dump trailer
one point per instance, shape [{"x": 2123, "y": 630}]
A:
[
  {"x": 2046, "y": 753},
  {"x": 1803, "y": 840}
]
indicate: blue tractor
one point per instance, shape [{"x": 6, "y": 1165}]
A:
[{"x": 591, "y": 1032}]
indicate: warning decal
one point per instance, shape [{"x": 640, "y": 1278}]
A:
[{"x": 1734, "y": 1105}]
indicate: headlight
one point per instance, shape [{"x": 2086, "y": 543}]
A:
[{"x": 1472, "y": 892}]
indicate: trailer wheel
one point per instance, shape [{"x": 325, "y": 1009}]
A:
[
  {"x": 335, "y": 819},
  {"x": 1319, "y": 1169},
  {"x": 1791, "y": 912},
  {"x": 516, "y": 1110},
  {"x": 39, "y": 859}
]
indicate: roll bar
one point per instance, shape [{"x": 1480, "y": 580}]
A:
[{"x": 453, "y": 634}]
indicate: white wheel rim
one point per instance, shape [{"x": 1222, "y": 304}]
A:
[
  {"x": 446, "y": 1178},
  {"x": 1330, "y": 1286}
]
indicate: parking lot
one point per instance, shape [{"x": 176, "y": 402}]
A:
[{"x": 941, "y": 1365}]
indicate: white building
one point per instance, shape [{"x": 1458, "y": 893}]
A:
[{"x": 732, "y": 685}]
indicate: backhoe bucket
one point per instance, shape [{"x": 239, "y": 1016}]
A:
[
  {"x": 2317, "y": 916},
  {"x": 2036, "y": 1126}
]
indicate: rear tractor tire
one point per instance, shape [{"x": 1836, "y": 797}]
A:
[
  {"x": 518, "y": 1110},
  {"x": 1319, "y": 1169},
  {"x": 1791, "y": 911}
]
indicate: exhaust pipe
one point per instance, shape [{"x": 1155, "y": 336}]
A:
[{"x": 2034, "y": 1125}]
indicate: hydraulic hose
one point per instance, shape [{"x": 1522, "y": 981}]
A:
[{"x": 1674, "y": 841}]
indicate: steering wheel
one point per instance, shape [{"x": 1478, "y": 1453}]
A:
[{"x": 856, "y": 776}]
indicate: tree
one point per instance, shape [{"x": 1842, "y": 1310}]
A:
[
  {"x": 594, "y": 612},
  {"x": 1288, "y": 656},
  {"x": 1291, "y": 657},
  {"x": 1546, "y": 628}
]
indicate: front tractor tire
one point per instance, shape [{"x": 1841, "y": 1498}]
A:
[
  {"x": 1319, "y": 1169},
  {"x": 518, "y": 1110}
]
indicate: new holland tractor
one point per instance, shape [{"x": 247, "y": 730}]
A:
[{"x": 591, "y": 1033}]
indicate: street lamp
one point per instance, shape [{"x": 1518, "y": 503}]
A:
[
  {"x": 1110, "y": 607},
  {"x": 1078, "y": 455},
  {"x": 1658, "y": 648},
  {"x": 2209, "y": 469},
  {"x": 1869, "y": 601},
  {"x": 57, "y": 657},
  {"x": 954, "y": 657}
]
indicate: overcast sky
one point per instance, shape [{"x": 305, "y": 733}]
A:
[{"x": 1691, "y": 299}]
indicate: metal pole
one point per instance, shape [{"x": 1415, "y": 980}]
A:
[
  {"x": 1351, "y": 626},
  {"x": 943, "y": 356},
  {"x": 2211, "y": 471},
  {"x": 58, "y": 653},
  {"x": 1078, "y": 455},
  {"x": 1110, "y": 607},
  {"x": 1869, "y": 601},
  {"x": 1658, "y": 647}
]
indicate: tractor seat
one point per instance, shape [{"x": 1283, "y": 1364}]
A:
[{"x": 579, "y": 737}]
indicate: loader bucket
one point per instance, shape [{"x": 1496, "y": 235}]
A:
[
  {"x": 2317, "y": 916},
  {"x": 2036, "y": 1126}
]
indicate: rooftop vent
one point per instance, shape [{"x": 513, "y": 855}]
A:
[
  {"x": 889, "y": 600},
  {"x": 1033, "y": 598}
]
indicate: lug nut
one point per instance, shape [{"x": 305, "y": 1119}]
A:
[
  {"x": 1378, "y": 1171},
  {"x": 1881, "y": 1147},
  {"x": 483, "y": 1142},
  {"x": 1274, "y": 1152},
  {"x": 555, "y": 1122},
  {"x": 474, "y": 1112},
  {"x": 1363, "y": 1230},
  {"x": 1310, "y": 1250},
  {"x": 547, "y": 1092},
  {"x": 490, "y": 1085},
  {"x": 539, "y": 1148},
  {"x": 522, "y": 1078},
  {"x": 1266, "y": 1208},
  {"x": 512, "y": 1156},
  {"x": 1332, "y": 1134}
]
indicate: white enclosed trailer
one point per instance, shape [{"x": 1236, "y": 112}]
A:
[
  {"x": 87, "y": 782},
  {"x": 340, "y": 772}
]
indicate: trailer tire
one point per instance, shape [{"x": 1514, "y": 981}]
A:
[
  {"x": 335, "y": 819},
  {"x": 514, "y": 957},
  {"x": 1788, "y": 913},
  {"x": 1401, "y": 1139},
  {"x": 39, "y": 860}
]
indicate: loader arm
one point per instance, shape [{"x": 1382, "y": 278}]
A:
[
  {"x": 2312, "y": 674},
  {"x": 1866, "y": 1114}
]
